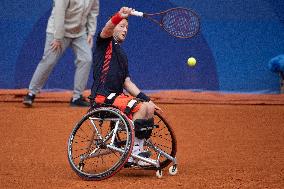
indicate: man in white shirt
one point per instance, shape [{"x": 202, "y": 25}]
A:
[{"x": 72, "y": 23}]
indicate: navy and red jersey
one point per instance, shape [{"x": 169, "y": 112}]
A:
[{"x": 110, "y": 67}]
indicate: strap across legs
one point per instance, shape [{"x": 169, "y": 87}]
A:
[
  {"x": 143, "y": 128},
  {"x": 130, "y": 106},
  {"x": 110, "y": 98}
]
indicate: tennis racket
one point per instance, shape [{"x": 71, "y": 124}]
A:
[{"x": 178, "y": 22}]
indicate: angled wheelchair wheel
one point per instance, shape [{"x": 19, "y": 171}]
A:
[
  {"x": 162, "y": 140},
  {"x": 100, "y": 144}
]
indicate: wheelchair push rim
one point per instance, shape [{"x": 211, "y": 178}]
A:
[{"x": 100, "y": 144}]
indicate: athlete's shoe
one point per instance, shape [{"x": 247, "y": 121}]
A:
[
  {"x": 131, "y": 163},
  {"x": 145, "y": 154},
  {"x": 29, "y": 99},
  {"x": 80, "y": 102},
  {"x": 138, "y": 150}
]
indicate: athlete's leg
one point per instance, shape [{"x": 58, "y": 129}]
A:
[
  {"x": 141, "y": 113},
  {"x": 143, "y": 119},
  {"x": 138, "y": 143}
]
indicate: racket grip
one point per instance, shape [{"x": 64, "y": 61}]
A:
[{"x": 137, "y": 13}]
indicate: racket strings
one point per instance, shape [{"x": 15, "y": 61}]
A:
[{"x": 181, "y": 23}]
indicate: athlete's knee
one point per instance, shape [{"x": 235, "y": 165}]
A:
[
  {"x": 143, "y": 128},
  {"x": 150, "y": 109},
  {"x": 143, "y": 110}
]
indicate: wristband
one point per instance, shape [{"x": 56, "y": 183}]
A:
[
  {"x": 116, "y": 19},
  {"x": 143, "y": 97}
]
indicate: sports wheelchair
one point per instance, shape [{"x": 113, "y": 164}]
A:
[{"x": 102, "y": 141}]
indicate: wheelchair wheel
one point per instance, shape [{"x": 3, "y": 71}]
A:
[
  {"x": 163, "y": 138},
  {"x": 100, "y": 144}
]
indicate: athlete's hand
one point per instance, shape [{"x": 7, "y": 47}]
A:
[
  {"x": 90, "y": 40},
  {"x": 125, "y": 12},
  {"x": 56, "y": 45},
  {"x": 155, "y": 106}
]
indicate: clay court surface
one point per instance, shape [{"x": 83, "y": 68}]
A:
[{"x": 224, "y": 141}]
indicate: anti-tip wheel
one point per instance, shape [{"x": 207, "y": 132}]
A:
[
  {"x": 159, "y": 173},
  {"x": 173, "y": 170}
]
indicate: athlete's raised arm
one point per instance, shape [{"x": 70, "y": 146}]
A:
[{"x": 123, "y": 13}]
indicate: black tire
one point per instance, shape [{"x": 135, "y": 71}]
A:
[
  {"x": 89, "y": 155},
  {"x": 164, "y": 138}
]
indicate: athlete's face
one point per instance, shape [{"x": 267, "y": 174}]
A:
[{"x": 120, "y": 31}]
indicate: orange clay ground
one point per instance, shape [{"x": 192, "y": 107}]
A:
[{"x": 224, "y": 141}]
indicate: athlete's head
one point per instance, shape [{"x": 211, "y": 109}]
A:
[{"x": 120, "y": 30}]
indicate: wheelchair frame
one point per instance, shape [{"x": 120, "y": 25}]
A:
[{"x": 106, "y": 132}]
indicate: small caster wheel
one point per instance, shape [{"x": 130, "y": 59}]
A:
[
  {"x": 159, "y": 173},
  {"x": 173, "y": 170}
]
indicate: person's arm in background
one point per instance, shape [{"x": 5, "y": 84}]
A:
[
  {"x": 92, "y": 22},
  {"x": 60, "y": 7},
  {"x": 133, "y": 90}
]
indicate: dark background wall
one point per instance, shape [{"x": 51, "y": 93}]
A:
[{"x": 236, "y": 41}]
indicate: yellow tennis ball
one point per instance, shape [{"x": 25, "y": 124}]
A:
[{"x": 191, "y": 61}]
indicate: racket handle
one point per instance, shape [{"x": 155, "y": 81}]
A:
[{"x": 137, "y": 13}]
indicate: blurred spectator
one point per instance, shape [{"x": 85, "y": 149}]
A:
[
  {"x": 72, "y": 23},
  {"x": 276, "y": 65}
]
